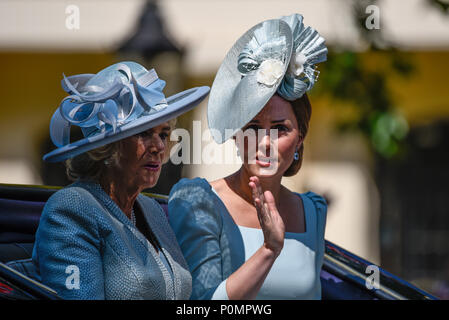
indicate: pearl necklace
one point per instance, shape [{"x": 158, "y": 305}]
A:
[{"x": 133, "y": 217}]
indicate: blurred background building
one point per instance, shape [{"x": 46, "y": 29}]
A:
[{"x": 377, "y": 147}]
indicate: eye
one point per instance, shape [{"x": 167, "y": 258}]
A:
[
  {"x": 144, "y": 134},
  {"x": 254, "y": 127},
  {"x": 281, "y": 127},
  {"x": 163, "y": 135}
]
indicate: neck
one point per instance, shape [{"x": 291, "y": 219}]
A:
[
  {"x": 240, "y": 181},
  {"x": 120, "y": 190}
]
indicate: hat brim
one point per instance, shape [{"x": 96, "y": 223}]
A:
[
  {"x": 235, "y": 100},
  {"x": 177, "y": 104}
]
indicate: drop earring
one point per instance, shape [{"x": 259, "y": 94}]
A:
[{"x": 296, "y": 155}]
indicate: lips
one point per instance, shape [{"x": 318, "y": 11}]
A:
[
  {"x": 152, "y": 166},
  {"x": 264, "y": 161}
]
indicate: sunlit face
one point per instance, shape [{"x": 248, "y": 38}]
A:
[
  {"x": 274, "y": 153},
  {"x": 142, "y": 156}
]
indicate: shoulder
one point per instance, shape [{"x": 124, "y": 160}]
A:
[
  {"x": 69, "y": 206},
  {"x": 317, "y": 200},
  {"x": 69, "y": 212},
  {"x": 192, "y": 190},
  {"x": 189, "y": 183},
  {"x": 192, "y": 201},
  {"x": 218, "y": 185},
  {"x": 320, "y": 205},
  {"x": 70, "y": 197}
]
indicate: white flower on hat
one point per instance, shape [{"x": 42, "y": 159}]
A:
[
  {"x": 270, "y": 71},
  {"x": 296, "y": 66}
]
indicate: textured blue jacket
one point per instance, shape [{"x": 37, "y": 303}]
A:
[{"x": 83, "y": 235}]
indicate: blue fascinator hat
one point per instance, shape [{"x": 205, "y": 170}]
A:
[
  {"x": 120, "y": 101},
  {"x": 275, "y": 56}
]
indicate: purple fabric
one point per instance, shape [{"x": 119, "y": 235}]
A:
[
  {"x": 329, "y": 277},
  {"x": 19, "y": 220},
  {"x": 165, "y": 207}
]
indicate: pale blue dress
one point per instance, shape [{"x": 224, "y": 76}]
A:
[{"x": 215, "y": 247}]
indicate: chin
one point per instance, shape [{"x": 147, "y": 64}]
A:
[
  {"x": 148, "y": 185},
  {"x": 150, "y": 181},
  {"x": 264, "y": 172}
]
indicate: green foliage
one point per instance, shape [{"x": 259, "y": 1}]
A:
[{"x": 347, "y": 79}]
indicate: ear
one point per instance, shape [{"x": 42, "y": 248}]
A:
[{"x": 300, "y": 142}]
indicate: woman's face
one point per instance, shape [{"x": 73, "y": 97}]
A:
[
  {"x": 142, "y": 156},
  {"x": 277, "y": 139}
]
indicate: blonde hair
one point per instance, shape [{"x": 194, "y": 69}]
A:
[{"x": 92, "y": 164}]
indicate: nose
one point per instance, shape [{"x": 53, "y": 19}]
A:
[
  {"x": 265, "y": 140},
  {"x": 156, "y": 144}
]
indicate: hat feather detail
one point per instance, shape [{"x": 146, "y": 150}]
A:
[
  {"x": 95, "y": 104},
  {"x": 308, "y": 49}
]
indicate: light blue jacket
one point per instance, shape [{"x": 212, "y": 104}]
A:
[
  {"x": 82, "y": 229},
  {"x": 212, "y": 243}
]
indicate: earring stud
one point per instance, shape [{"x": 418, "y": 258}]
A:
[{"x": 296, "y": 156}]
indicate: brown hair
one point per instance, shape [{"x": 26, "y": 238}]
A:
[
  {"x": 303, "y": 112},
  {"x": 92, "y": 164}
]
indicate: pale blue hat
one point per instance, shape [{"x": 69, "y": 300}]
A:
[
  {"x": 275, "y": 56},
  {"x": 122, "y": 100}
]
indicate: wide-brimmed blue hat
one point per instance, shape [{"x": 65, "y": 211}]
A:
[
  {"x": 120, "y": 101},
  {"x": 274, "y": 56}
]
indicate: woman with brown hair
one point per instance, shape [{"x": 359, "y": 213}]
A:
[{"x": 246, "y": 236}]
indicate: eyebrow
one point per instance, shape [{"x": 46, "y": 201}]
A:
[
  {"x": 274, "y": 121},
  {"x": 164, "y": 128},
  {"x": 167, "y": 128}
]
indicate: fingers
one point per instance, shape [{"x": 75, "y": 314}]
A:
[
  {"x": 268, "y": 215},
  {"x": 270, "y": 201},
  {"x": 258, "y": 203},
  {"x": 263, "y": 212},
  {"x": 253, "y": 187},
  {"x": 256, "y": 188}
]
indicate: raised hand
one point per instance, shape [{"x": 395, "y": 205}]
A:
[{"x": 269, "y": 218}]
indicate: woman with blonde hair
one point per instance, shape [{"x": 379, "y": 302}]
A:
[{"x": 100, "y": 238}]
